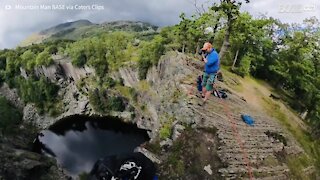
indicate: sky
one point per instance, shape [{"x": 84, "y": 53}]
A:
[{"x": 21, "y": 18}]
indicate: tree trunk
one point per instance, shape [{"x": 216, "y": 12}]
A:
[
  {"x": 235, "y": 59},
  {"x": 183, "y": 48},
  {"x": 214, "y": 31},
  {"x": 226, "y": 43},
  {"x": 198, "y": 47}
]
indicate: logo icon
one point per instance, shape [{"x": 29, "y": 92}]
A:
[{"x": 7, "y": 7}]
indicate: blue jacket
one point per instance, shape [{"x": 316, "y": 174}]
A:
[{"x": 213, "y": 64}]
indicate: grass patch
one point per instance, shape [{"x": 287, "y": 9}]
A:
[
  {"x": 232, "y": 80},
  {"x": 166, "y": 129},
  {"x": 311, "y": 146},
  {"x": 128, "y": 92},
  {"x": 297, "y": 165},
  {"x": 143, "y": 86},
  {"x": 176, "y": 96},
  {"x": 154, "y": 147},
  {"x": 270, "y": 161}
]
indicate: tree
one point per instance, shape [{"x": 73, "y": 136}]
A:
[
  {"x": 52, "y": 49},
  {"x": 182, "y": 31},
  {"x": 28, "y": 60},
  {"x": 3, "y": 62},
  {"x": 231, "y": 10},
  {"x": 44, "y": 58},
  {"x": 10, "y": 116},
  {"x": 13, "y": 64},
  {"x": 250, "y": 38},
  {"x": 117, "y": 44},
  {"x": 149, "y": 55}
]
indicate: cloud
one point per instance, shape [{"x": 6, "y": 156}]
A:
[{"x": 16, "y": 25}]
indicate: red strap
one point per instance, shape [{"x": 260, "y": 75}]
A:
[
  {"x": 235, "y": 133},
  {"x": 238, "y": 138}
]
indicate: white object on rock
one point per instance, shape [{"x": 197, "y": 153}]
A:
[{"x": 208, "y": 169}]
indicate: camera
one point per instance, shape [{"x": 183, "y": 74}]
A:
[{"x": 202, "y": 52}]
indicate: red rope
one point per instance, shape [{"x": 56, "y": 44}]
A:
[
  {"x": 238, "y": 138},
  {"x": 235, "y": 132}
]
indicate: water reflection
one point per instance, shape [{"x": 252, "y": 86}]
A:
[{"x": 77, "y": 142}]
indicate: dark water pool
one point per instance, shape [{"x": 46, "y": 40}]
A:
[{"x": 77, "y": 142}]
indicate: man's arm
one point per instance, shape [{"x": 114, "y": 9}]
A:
[{"x": 204, "y": 59}]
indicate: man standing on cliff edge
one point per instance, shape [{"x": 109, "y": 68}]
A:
[{"x": 212, "y": 66}]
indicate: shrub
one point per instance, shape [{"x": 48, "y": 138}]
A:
[
  {"x": 96, "y": 101},
  {"x": 103, "y": 103},
  {"x": 28, "y": 60},
  {"x": 133, "y": 94},
  {"x": 110, "y": 82},
  {"x": 115, "y": 104},
  {"x": 10, "y": 116},
  {"x": 52, "y": 49},
  {"x": 3, "y": 62},
  {"x": 79, "y": 59},
  {"x": 166, "y": 129},
  {"x": 44, "y": 58},
  {"x": 150, "y": 54},
  {"x": 144, "y": 66},
  {"x": 40, "y": 92}
]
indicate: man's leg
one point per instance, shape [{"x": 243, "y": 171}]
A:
[
  {"x": 209, "y": 87},
  {"x": 207, "y": 95},
  {"x": 204, "y": 84},
  {"x": 204, "y": 91}
]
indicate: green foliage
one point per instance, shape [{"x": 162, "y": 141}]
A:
[
  {"x": 96, "y": 101},
  {"x": 109, "y": 82},
  {"x": 115, "y": 104},
  {"x": 150, "y": 54},
  {"x": 33, "y": 56},
  {"x": 13, "y": 63},
  {"x": 84, "y": 176},
  {"x": 128, "y": 92},
  {"x": 10, "y": 117},
  {"x": 189, "y": 34},
  {"x": 103, "y": 103},
  {"x": 285, "y": 54},
  {"x": 144, "y": 65},
  {"x": 3, "y": 62},
  {"x": 40, "y": 92},
  {"x": 118, "y": 48},
  {"x": 109, "y": 51},
  {"x": 166, "y": 129},
  {"x": 175, "y": 160},
  {"x": 134, "y": 94},
  {"x": 53, "y": 49},
  {"x": 79, "y": 59},
  {"x": 28, "y": 60},
  {"x": 44, "y": 58},
  {"x": 244, "y": 67}
]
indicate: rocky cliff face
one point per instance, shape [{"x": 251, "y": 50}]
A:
[
  {"x": 168, "y": 97},
  {"x": 242, "y": 148},
  {"x": 65, "y": 75}
]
